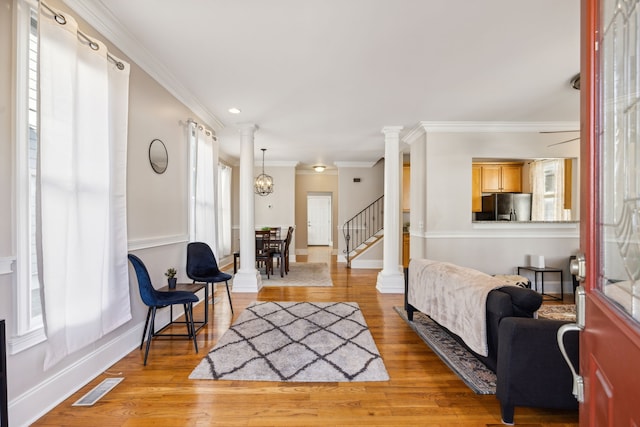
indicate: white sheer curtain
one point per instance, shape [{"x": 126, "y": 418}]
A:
[
  {"x": 203, "y": 186},
  {"x": 536, "y": 173},
  {"x": 547, "y": 180},
  {"x": 224, "y": 209},
  {"x": 82, "y": 189}
]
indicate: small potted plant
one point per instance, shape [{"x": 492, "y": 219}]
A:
[{"x": 171, "y": 277}]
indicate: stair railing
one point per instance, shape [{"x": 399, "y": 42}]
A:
[{"x": 363, "y": 226}]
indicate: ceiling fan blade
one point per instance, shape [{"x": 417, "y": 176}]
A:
[
  {"x": 558, "y": 131},
  {"x": 563, "y": 142}
]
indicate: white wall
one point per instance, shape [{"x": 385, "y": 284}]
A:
[
  {"x": 449, "y": 233},
  {"x": 278, "y": 208},
  {"x": 355, "y": 196},
  {"x": 157, "y": 229}
]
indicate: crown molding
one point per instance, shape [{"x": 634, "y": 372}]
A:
[
  {"x": 277, "y": 163},
  {"x": 413, "y": 135},
  {"x": 341, "y": 164},
  {"x": 102, "y": 20},
  {"x": 495, "y": 126}
]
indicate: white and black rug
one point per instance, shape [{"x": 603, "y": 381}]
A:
[
  {"x": 300, "y": 274},
  {"x": 297, "y": 342},
  {"x": 558, "y": 312},
  {"x": 474, "y": 373}
]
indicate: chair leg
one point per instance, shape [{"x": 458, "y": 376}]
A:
[
  {"x": 189, "y": 310},
  {"x": 186, "y": 320},
  {"x": 226, "y": 282},
  {"x": 144, "y": 332},
  {"x": 150, "y": 336}
]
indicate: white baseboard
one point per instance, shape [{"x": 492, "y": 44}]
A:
[
  {"x": 367, "y": 263},
  {"x": 28, "y": 407},
  {"x": 36, "y": 402}
]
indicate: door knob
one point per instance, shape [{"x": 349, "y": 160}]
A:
[{"x": 578, "y": 267}]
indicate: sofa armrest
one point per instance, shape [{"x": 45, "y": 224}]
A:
[
  {"x": 525, "y": 301},
  {"x": 531, "y": 370}
]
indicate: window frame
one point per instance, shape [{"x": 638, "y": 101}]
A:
[{"x": 28, "y": 329}]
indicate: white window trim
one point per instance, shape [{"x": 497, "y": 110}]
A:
[{"x": 28, "y": 332}]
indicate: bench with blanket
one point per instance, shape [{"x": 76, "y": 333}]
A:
[{"x": 495, "y": 321}]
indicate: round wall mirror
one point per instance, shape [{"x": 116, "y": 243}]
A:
[{"x": 158, "y": 156}]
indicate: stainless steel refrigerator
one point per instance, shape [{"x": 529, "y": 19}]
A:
[{"x": 507, "y": 207}]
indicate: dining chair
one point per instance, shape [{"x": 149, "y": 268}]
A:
[
  {"x": 280, "y": 252},
  {"x": 286, "y": 248},
  {"x": 203, "y": 267},
  {"x": 156, "y": 299},
  {"x": 275, "y": 232},
  {"x": 264, "y": 251}
]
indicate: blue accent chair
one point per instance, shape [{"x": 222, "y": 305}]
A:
[
  {"x": 203, "y": 267},
  {"x": 155, "y": 299}
]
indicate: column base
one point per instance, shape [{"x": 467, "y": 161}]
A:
[
  {"x": 247, "y": 281},
  {"x": 390, "y": 282}
]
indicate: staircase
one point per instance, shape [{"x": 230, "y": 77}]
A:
[{"x": 363, "y": 230}]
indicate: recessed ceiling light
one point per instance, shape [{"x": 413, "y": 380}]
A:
[
  {"x": 234, "y": 110},
  {"x": 319, "y": 168}
]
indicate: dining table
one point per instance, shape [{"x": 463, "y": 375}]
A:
[{"x": 276, "y": 244}]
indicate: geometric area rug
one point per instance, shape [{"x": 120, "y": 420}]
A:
[
  {"x": 472, "y": 371},
  {"x": 296, "y": 342}
]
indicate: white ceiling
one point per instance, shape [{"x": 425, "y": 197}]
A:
[{"x": 321, "y": 78}]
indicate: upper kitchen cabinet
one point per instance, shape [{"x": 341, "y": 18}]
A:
[
  {"x": 476, "y": 188},
  {"x": 501, "y": 177}
]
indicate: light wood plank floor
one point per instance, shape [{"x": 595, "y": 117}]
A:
[{"x": 422, "y": 390}]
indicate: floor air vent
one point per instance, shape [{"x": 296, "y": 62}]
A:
[{"x": 97, "y": 392}]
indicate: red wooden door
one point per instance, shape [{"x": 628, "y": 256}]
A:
[{"x": 610, "y": 212}]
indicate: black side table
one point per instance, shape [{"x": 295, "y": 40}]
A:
[
  {"x": 541, "y": 271},
  {"x": 189, "y": 287}
]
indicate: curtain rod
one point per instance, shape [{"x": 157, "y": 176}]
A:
[
  {"x": 60, "y": 19},
  {"x": 206, "y": 130}
]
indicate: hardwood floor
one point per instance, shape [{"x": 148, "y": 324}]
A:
[{"x": 422, "y": 390}]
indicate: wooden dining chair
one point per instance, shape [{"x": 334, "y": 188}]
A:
[
  {"x": 264, "y": 251},
  {"x": 281, "y": 253},
  {"x": 275, "y": 232}
]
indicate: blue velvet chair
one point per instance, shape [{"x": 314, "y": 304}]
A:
[
  {"x": 203, "y": 267},
  {"x": 155, "y": 299}
]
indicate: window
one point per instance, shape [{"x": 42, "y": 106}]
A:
[
  {"x": 28, "y": 322},
  {"x": 548, "y": 186},
  {"x": 203, "y": 190},
  {"x": 224, "y": 210}
]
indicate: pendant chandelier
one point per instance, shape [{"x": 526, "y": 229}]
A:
[{"x": 264, "y": 183}]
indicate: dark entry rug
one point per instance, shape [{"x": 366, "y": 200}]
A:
[
  {"x": 470, "y": 370},
  {"x": 297, "y": 342}
]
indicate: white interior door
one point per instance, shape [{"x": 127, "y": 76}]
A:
[{"x": 319, "y": 220}]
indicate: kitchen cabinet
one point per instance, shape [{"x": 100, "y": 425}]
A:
[
  {"x": 405, "y": 249},
  {"x": 476, "y": 188},
  {"x": 501, "y": 177}
]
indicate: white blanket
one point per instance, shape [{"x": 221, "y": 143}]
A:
[{"x": 453, "y": 296}]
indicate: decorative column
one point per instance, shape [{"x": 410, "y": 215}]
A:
[
  {"x": 391, "y": 278},
  {"x": 247, "y": 279},
  {"x": 417, "y": 140}
]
